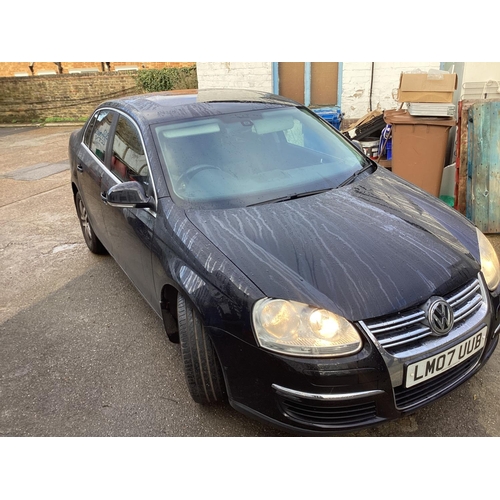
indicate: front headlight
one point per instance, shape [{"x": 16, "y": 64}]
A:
[
  {"x": 297, "y": 329},
  {"x": 489, "y": 261}
]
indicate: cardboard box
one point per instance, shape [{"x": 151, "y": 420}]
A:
[{"x": 424, "y": 87}]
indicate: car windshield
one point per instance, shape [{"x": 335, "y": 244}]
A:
[{"x": 253, "y": 157}]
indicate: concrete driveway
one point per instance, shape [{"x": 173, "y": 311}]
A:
[{"x": 83, "y": 355}]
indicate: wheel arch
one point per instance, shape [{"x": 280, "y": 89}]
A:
[{"x": 168, "y": 307}]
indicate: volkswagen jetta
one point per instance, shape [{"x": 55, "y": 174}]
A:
[{"x": 308, "y": 286}]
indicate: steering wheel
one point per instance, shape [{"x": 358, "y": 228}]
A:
[{"x": 191, "y": 171}]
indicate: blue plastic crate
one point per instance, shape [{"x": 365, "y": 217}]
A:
[{"x": 331, "y": 115}]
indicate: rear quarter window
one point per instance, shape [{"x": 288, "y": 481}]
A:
[
  {"x": 88, "y": 131},
  {"x": 100, "y": 133}
]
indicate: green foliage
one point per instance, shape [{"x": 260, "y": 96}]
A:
[{"x": 157, "y": 80}]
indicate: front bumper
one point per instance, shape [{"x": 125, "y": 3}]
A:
[{"x": 332, "y": 396}]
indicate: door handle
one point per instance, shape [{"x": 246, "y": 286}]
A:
[{"x": 79, "y": 167}]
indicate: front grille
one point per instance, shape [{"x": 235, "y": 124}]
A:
[
  {"x": 327, "y": 413},
  {"x": 407, "y": 329},
  {"x": 406, "y": 398}
]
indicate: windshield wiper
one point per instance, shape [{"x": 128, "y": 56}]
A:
[
  {"x": 291, "y": 197},
  {"x": 352, "y": 177}
]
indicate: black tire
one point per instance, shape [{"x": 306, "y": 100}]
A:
[
  {"x": 201, "y": 366},
  {"x": 93, "y": 242}
]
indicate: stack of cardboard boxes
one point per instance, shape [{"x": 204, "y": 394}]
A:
[{"x": 420, "y": 133}]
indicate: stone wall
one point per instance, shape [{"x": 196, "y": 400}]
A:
[
  {"x": 60, "y": 96},
  {"x": 33, "y": 69}
]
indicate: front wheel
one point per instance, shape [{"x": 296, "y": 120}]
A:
[
  {"x": 201, "y": 365},
  {"x": 93, "y": 242}
]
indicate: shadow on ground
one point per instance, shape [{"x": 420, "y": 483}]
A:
[{"x": 92, "y": 359}]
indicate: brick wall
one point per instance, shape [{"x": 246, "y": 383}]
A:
[
  {"x": 61, "y": 96},
  {"x": 356, "y": 78},
  {"x": 243, "y": 75},
  {"x": 8, "y": 69}
]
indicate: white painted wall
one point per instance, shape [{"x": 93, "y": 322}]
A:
[
  {"x": 475, "y": 79},
  {"x": 355, "y": 101},
  {"x": 481, "y": 71},
  {"x": 480, "y": 78},
  {"x": 243, "y": 75}
]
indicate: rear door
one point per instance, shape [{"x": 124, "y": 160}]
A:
[{"x": 91, "y": 158}]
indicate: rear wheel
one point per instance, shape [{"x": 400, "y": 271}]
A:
[
  {"x": 93, "y": 242},
  {"x": 201, "y": 365}
]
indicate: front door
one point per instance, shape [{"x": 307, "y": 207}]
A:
[{"x": 130, "y": 229}]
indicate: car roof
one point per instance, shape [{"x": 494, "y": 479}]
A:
[{"x": 161, "y": 107}]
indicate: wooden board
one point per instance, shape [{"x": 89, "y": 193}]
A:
[
  {"x": 463, "y": 119},
  {"x": 462, "y": 154},
  {"x": 483, "y": 165},
  {"x": 324, "y": 81}
]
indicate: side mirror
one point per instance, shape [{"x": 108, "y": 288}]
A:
[{"x": 128, "y": 195}]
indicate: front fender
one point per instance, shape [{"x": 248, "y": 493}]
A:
[{"x": 185, "y": 259}]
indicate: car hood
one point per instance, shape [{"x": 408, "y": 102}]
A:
[{"x": 371, "y": 248}]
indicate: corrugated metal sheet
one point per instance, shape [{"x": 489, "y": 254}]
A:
[{"x": 483, "y": 166}]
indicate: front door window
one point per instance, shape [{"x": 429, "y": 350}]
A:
[{"x": 128, "y": 160}]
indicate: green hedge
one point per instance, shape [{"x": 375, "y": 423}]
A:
[{"x": 157, "y": 80}]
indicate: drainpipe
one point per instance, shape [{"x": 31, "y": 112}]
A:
[
  {"x": 276, "y": 78},
  {"x": 32, "y": 68},
  {"x": 371, "y": 86}
]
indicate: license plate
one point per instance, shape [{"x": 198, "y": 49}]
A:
[{"x": 435, "y": 365}]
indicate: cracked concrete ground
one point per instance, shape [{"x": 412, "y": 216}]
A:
[
  {"x": 83, "y": 355},
  {"x": 37, "y": 220}
]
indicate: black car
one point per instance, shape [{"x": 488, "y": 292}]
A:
[{"x": 307, "y": 285}]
